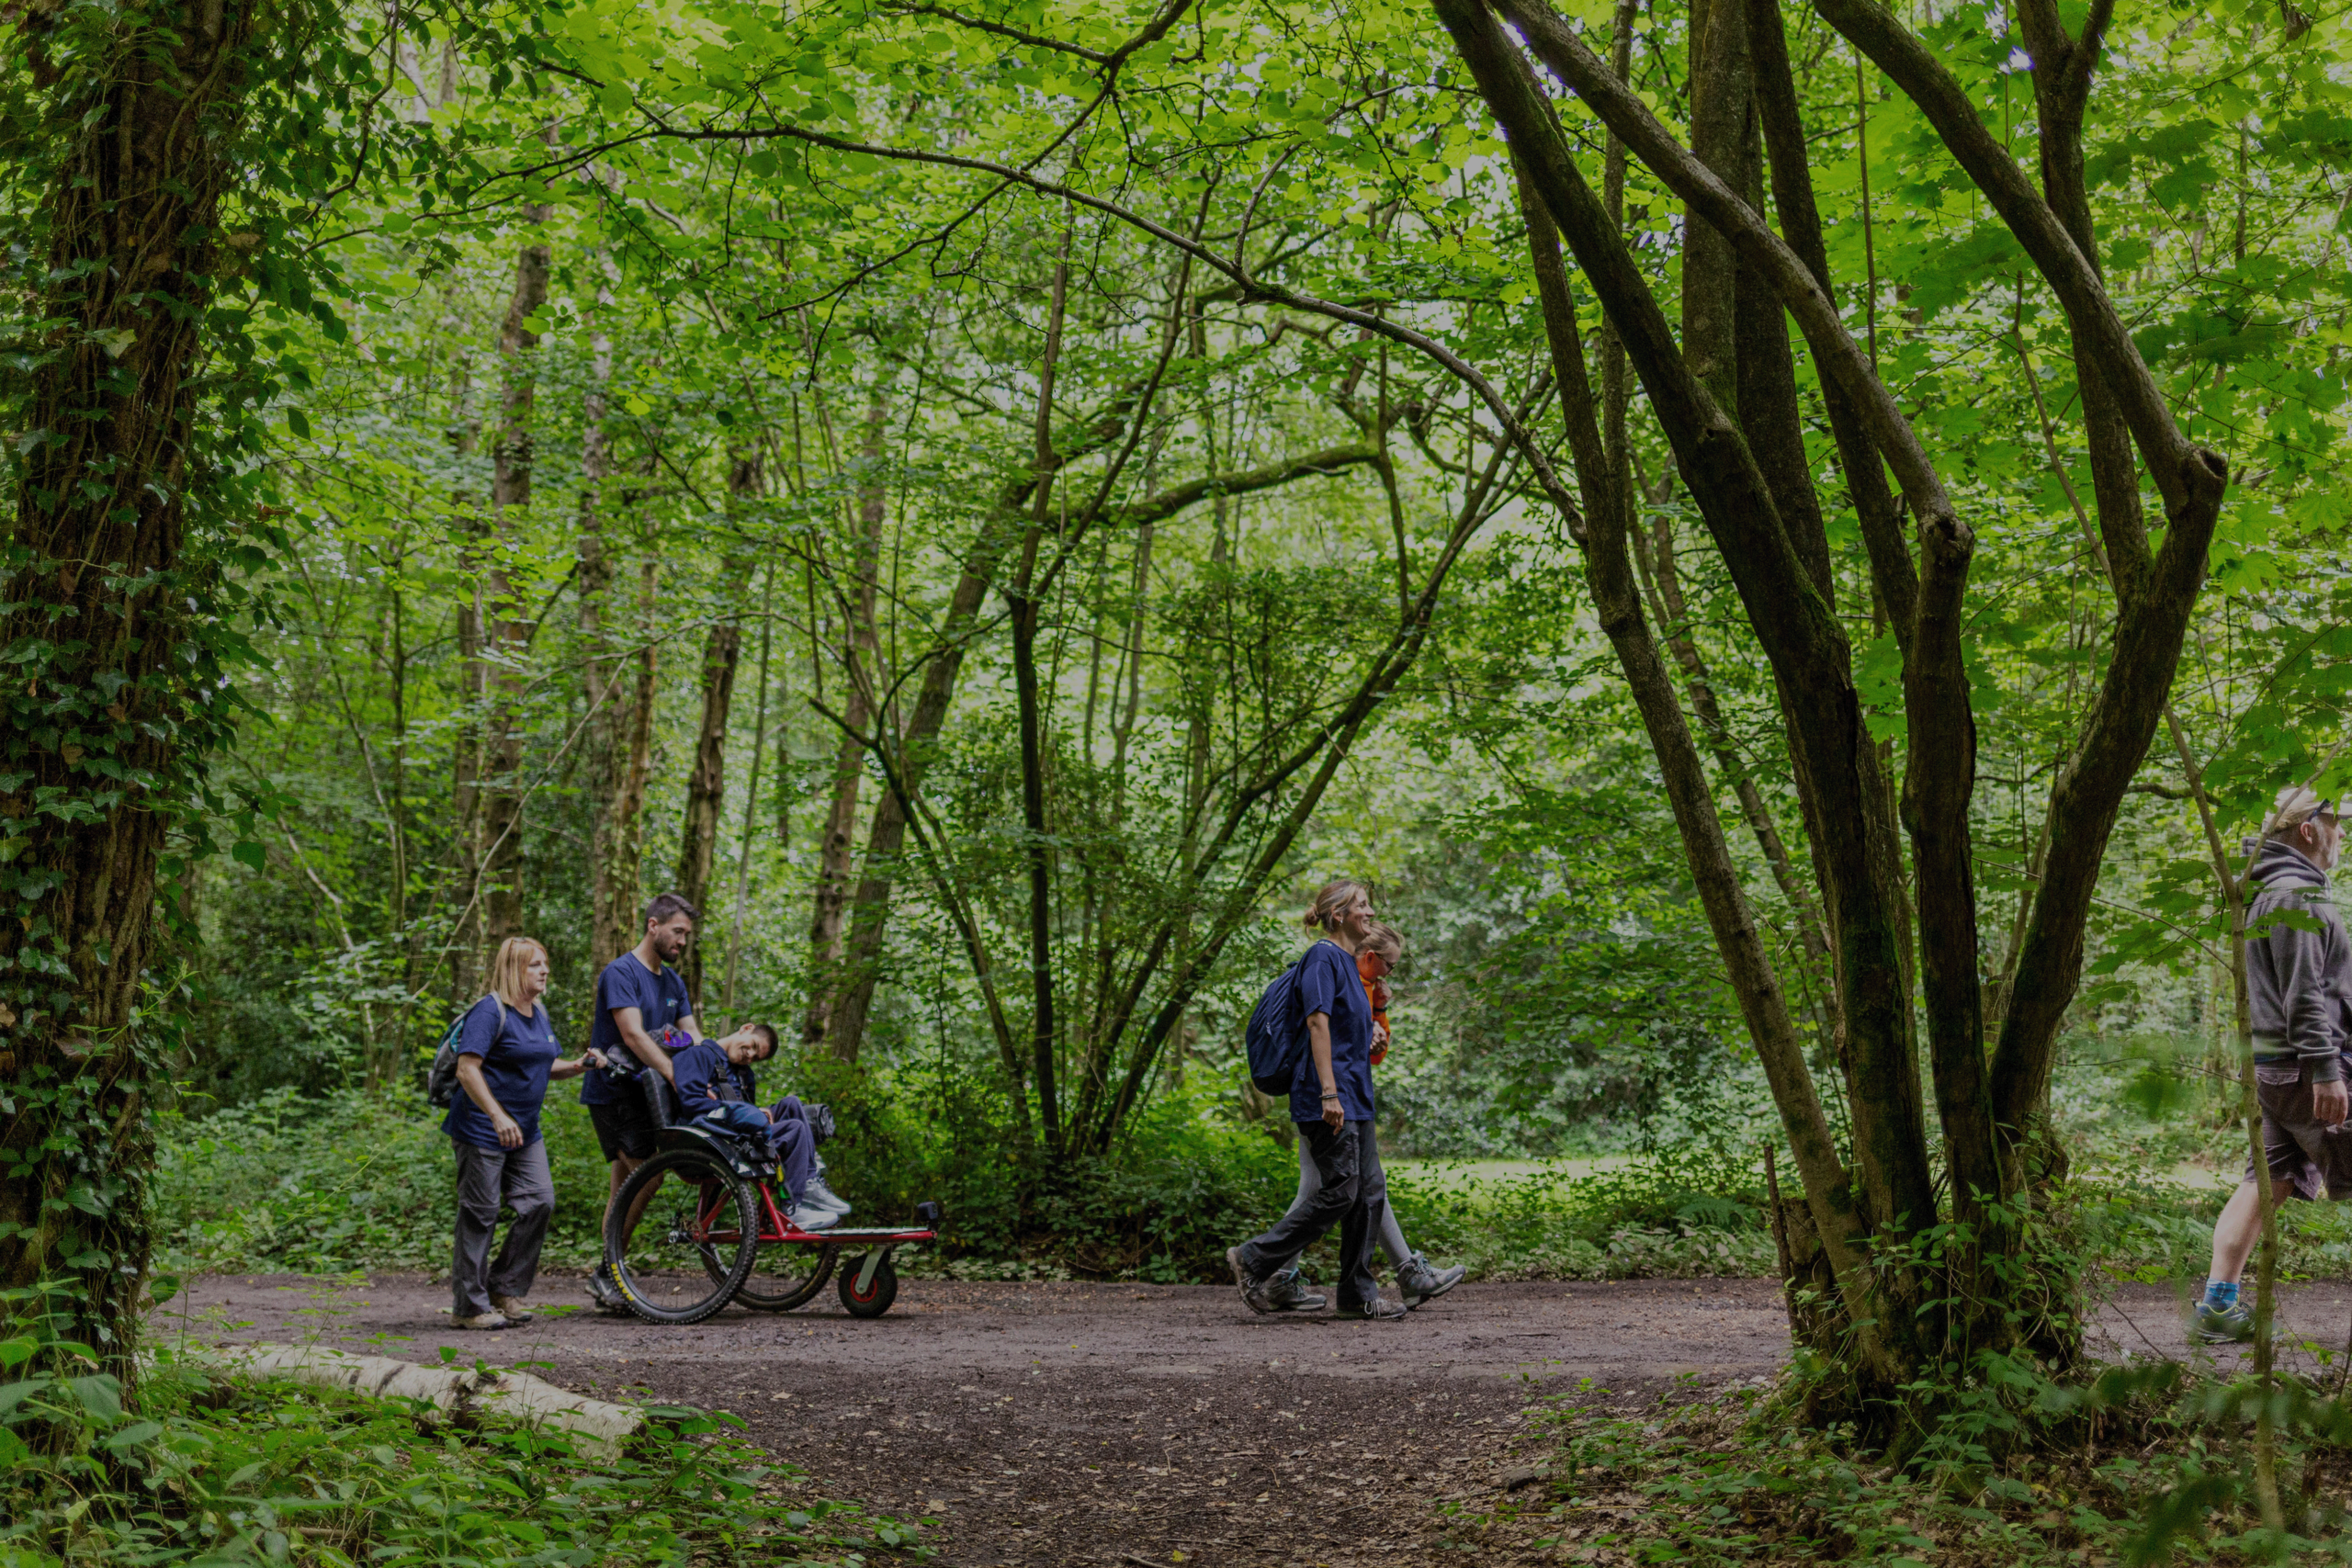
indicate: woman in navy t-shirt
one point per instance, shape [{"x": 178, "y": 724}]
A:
[
  {"x": 506, "y": 1054},
  {"x": 1330, "y": 1100}
]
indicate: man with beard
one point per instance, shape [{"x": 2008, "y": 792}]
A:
[
  {"x": 639, "y": 999},
  {"x": 2298, "y": 987}
]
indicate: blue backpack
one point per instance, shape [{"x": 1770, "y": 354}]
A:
[{"x": 1276, "y": 1037}]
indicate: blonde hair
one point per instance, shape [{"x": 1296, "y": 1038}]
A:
[
  {"x": 1385, "y": 940},
  {"x": 1333, "y": 898},
  {"x": 506, "y": 969},
  {"x": 2293, "y": 807}
]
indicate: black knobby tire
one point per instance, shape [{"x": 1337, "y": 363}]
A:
[
  {"x": 880, "y": 1291},
  {"x": 774, "y": 1286},
  {"x": 681, "y": 1273}
]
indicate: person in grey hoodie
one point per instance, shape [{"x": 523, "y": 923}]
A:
[{"x": 2299, "y": 985}]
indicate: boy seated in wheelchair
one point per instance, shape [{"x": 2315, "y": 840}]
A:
[{"x": 717, "y": 1089}]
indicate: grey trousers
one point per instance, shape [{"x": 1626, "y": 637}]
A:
[
  {"x": 1352, "y": 1194},
  {"x": 1310, "y": 1180},
  {"x": 488, "y": 1180}
]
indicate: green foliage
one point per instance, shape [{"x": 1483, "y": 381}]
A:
[
  {"x": 220, "y": 1470},
  {"x": 2133, "y": 1464},
  {"x": 359, "y": 1179},
  {"x": 353, "y": 1179}
]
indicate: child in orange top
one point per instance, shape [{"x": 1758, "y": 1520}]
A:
[{"x": 1382, "y": 948}]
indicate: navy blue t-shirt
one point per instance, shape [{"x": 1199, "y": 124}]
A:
[
  {"x": 1328, "y": 983},
  {"x": 705, "y": 1078},
  {"x": 661, "y": 1001},
  {"x": 515, "y": 1053}
]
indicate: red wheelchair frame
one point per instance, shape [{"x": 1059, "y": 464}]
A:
[{"x": 725, "y": 1175}]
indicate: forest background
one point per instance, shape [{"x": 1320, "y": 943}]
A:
[{"x": 995, "y": 619}]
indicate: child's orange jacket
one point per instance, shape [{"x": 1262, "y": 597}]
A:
[{"x": 1375, "y": 991}]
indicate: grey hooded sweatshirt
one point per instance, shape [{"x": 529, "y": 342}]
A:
[{"x": 2296, "y": 977}]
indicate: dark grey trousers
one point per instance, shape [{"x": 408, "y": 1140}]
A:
[
  {"x": 487, "y": 1181},
  {"x": 1352, "y": 1193}
]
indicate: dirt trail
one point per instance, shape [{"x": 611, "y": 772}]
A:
[{"x": 1050, "y": 1424}]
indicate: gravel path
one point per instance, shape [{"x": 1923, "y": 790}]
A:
[{"x": 1053, "y": 1424}]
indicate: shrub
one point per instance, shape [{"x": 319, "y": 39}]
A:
[{"x": 361, "y": 1180}]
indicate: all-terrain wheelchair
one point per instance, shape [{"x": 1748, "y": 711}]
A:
[{"x": 715, "y": 1232}]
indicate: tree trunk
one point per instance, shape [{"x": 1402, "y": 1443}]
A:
[
  {"x": 465, "y": 838},
  {"x": 114, "y": 678},
  {"x": 1763, "y": 1003},
  {"x": 751, "y": 794},
  {"x": 829, "y": 977},
  {"x": 612, "y": 871},
  {"x": 722, "y": 653},
  {"x": 1956, "y": 1304},
  {"x": 885, "y": 837},
  {"x": 506, "y": 634},
  {"x": 637, "y": 760}
]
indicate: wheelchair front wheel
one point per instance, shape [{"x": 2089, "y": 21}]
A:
[{"x": 875, "y": 1297}]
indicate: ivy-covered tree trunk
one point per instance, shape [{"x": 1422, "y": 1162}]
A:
[{"x": 113, "y": 695}]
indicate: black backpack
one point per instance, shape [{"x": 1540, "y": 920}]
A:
[{"x": 441, "y": 1082}]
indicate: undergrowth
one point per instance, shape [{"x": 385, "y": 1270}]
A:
[
  {"x": 2141, "y": 1465},
  {"x": 222, "y": 1470},
  {"x": 366, "y": 1181}
]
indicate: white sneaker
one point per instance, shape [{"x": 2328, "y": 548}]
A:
[
  {"x": 811, "y": 1218},
  {"x": 819, "y": 1196}
]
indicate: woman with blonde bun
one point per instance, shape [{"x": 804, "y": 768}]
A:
[
  {"x": 1330, "y": 1100},
  {"x": 1418, "y": 1279},
  {"x": 506, "y": 1054}
]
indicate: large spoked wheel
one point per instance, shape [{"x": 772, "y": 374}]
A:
[
  {"x": 693, "y": 1245},
  {"x": 875, "y": 1298},
  {"x": 785, "y": 1277}
]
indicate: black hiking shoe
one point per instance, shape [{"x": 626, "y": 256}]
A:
[
  {"x": 606, "y": 1291},
  {"x": 1253, "y": 1290}
]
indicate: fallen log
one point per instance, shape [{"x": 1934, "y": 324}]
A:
[{"x": 516, "y": 1397}]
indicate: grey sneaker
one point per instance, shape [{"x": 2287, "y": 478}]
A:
[
  {"x": 1417, "y": 1282},
  {"x": 1380, "y": 1309},
  {"x": 1286, "y": 1293},
  {"x": 2232, "y": 1325},
  {"x": 1253, "y": 1290},
  {"x": 819, "y": 1196},
  {"x": 809, "y": 1217}
]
